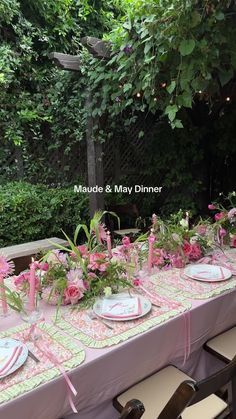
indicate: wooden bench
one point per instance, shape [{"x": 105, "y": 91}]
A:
[{"x": 21, "y": 254}]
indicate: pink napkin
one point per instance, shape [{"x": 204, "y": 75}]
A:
[
  {"x": 122, "y": 308},
  {"x": 10, "y": 359}
]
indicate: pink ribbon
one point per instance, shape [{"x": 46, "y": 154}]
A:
[
  {"x": 70, "y": 388},
  {"x": 187, "y": 336},
  {"x": 47, "y": 353}
]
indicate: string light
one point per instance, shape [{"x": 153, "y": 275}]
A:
[
  {"x": 228, "y": 99},
  {"x": 163, "y": 85},
  {"x": 200, "y": 92},
  {"x": 155, "y": 99},
  {"x": 138, "y": 94}
]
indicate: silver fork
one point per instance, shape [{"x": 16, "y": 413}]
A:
[{"x": 93, "y": 316}]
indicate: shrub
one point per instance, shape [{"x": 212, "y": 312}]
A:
[{"x": 32, "y": 212}]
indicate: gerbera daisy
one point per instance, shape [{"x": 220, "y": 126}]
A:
[{"x": 6, "y": 266}]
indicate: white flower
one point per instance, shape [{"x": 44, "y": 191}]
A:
[
  {"x": 107, "y": 291},
  {"x": 184, "y": 223},
  {"x": 193, "y": 239}
]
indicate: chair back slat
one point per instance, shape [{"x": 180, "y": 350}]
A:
[
  {"x": 179, "y": 400},
  {"x": 213, "y": 383}
]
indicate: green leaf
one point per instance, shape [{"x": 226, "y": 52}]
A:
[
  {"x": 196, "y": 19},
  {"x": 185, "y": 100},
  {"x": 147, "y": 48},
  {"x": 171, "y": 111},
  {"x": 127, "y": 86},
  {"x": 186, "y": 47},
  {"x": 171, "y": 87},
  {"x": 226, "y": 76},
  {"x": 220, "y": 15}
]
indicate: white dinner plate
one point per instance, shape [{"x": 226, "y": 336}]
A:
[
  {"x": 10, "y": 343},
  {"x": 207, "y": 273},
  {"x": 145, "y": 307}
]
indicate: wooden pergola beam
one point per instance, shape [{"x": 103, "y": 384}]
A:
[
  {"x": 66, "y": 61},
  {"x": 97, "y": 47}
]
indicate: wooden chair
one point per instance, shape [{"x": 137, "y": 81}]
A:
[
  {"x": 171, "y": 394},
  {"x": 128, "y": 213},
  {"x": 223, "y": 346},
  {"x": 133, "y": 409}
]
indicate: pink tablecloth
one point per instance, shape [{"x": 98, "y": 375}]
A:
[{"x": 106, "y": 372}]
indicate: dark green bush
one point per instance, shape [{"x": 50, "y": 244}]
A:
[{"x": 32, "y": 212}]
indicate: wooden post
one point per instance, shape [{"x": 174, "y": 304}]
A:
[
  {"x": 94, "y": 163},
  {"x": 100, "y": 49}
]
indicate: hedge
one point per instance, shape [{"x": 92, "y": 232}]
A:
[{"x": 32, "y": 212}]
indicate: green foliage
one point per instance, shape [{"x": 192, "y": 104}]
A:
[
  {"x": 164, "y": 53},
  {"x": 33, "y": 212}
]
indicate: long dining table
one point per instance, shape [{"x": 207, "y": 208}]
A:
[{"x": 127, "y": 355}]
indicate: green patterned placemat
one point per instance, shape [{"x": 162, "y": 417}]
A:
[
  {"x": 32, "y": 374},
  {"x": 93, "y": 333},
  {"x": 174, "y": 284}
]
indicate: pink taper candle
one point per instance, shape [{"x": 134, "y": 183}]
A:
[
  {"x": 109, "y": 244},
  {"x": 3, "y": 296},
  {"x": 151, "y": 240},
  {"x": 32, "y": 286}
]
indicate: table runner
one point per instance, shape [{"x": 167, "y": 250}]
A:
[
  {"x": 94, "y": 334},
  {"x": 32, "y": 374}
]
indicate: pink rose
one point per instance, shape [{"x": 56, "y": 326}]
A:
[
  {"x": 72, "y": 294},
  {"x": 211, "y": 207},
  {"x": 233, "y": 241},
  {"x": 219, "y": 216}
]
